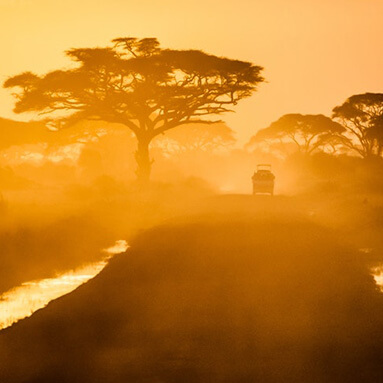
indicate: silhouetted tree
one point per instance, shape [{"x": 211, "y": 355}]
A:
[
  {"x": 308, "y": 132},
  {"x": 376, "y": 133},
  {"x": 197, "y": 137},
  {"x": 136, "y": 83},
  {"x": 361, "y": 115}
]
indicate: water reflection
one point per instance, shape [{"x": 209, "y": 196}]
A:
[
  {"x": 377, "y": 273},
  {"x": 24, "y": 300}
]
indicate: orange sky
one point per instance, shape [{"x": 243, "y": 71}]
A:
[{"x": 316, "y": 53}]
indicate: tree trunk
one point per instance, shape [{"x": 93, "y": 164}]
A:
[{"x": 144, "y": 164}]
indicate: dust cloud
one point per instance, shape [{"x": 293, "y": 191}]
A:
[{"x": 218, "y": 285}]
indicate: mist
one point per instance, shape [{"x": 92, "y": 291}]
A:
[{"x": 147, "y": 236}]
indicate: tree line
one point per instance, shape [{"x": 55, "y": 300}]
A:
[
  {"x": 151, "y": 90},
  {"x": 356, "y": 127}
]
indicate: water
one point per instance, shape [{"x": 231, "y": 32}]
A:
[
  {"x": 377, "y": 273},
  {"x": 25, "y": 299}
]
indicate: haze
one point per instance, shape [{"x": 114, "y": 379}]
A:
[
  {"x": 316, "y": 53},
  {"x": 191, "y": 192}
]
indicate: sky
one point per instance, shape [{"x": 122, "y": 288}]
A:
[{"x": 316, "y": 53}]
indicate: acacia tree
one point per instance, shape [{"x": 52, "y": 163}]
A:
[
  {"x": 308, "y": 132},
  {"x": 136, "y": 83},
  {"x": 361, "y": 115},
  {"x": 376, "y": 133},
  {"x": 197, "y": 138}
]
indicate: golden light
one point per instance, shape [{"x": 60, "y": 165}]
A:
[{"x": 24, "y": 300}]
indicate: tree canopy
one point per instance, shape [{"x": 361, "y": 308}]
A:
[
  {"x": 137, "y": 83},
  {"x": 375, "y": 133},
  {"x": 309, "y": 132},
  {"x": 197, "y": 137},
  {"x": 362, "y": 116}
]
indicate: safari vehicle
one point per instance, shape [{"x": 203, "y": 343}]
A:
[{"x": 263, "y": 180}]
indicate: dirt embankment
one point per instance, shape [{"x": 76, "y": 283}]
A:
[{"x": 220, "y": 298}]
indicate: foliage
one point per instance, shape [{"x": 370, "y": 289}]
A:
[
  {"x": 309, "y": 132},
  {"x": 197, "y": 137},
  {"x": 136, "y": 83},
  {"x": 362, "y": 117}
]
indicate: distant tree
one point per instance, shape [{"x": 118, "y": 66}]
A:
[
  {"x": 136, "y": 83},
  {"x": 376, "y": 133},
  {"x": 308, "y": 132},
  {"x": 197, "y": 137},
  {"x": 361, "y": 116}
]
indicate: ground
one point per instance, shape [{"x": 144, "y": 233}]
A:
[{"x": 241, "y": 290}]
